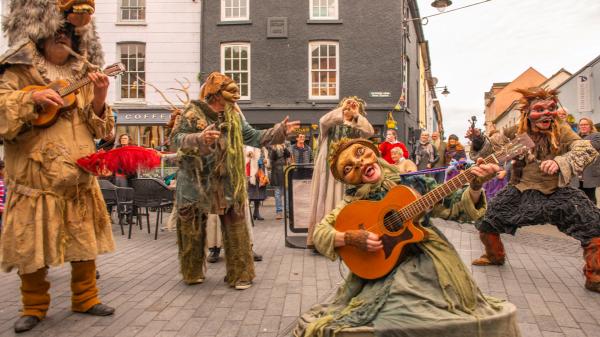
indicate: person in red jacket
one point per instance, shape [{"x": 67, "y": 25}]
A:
[{"x": 391, "y": 141}]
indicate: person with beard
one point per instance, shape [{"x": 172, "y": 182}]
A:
[
  {"x": 425, "y": 154},
  {"x": 538, "y": 192},
  {"x": 430, "y": 291},
  {"x": 590, "y": 178},
  {"x": 54, "y": 212},
  {"x": 210, "y": 136}
]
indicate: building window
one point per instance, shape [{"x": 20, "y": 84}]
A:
[
  {"x": 235, "y": 10},
  {"x": 133, "y": 56},
  {"x": 235, "y": 63},
  {"x": 324, "y": 10},
  {"x": 132, "y": 10},
  {"x": 323, "y": 70}
]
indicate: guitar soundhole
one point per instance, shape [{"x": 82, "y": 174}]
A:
[{"x": 393, "y": 221}]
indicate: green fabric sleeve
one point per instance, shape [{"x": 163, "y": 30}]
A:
[{"x": 324, "y": 234}]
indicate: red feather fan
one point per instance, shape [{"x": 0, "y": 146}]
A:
[{"x": 126, "y": 160}]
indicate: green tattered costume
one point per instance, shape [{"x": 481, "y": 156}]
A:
[
  {"x": 213, "y": 181},
  {"x": 430, "y": 293}
]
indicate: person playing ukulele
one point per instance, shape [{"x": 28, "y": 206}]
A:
[
  {"x": 54, "y": 212},
  {"x": 430, "y": 291}
]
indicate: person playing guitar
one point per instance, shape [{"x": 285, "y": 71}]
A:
[{"x": 429, "y": 291}]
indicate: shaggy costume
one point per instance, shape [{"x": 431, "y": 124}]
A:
[
  {"x": 212, "y": 180},
  {"x": 429, "y": 293},
  {"x": 54, "y": 210},
  {"x": 325, "y": 191},
  {"x": 535, "y": 198}
]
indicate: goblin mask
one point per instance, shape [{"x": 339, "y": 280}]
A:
[{"x": 357, "y": 165}]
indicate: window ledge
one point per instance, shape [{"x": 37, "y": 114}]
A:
[
  {"x": 324, "y": 22},
  {"x": 132, "y": 23},
  {"x": 125, "y": 102},
  {"x": 315, "y": 100},
  {"x": 236, "y": 22},
  {"x": 244, "y": 101}
]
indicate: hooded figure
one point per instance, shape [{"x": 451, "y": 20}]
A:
[
  {"x": 538, "y": 192},
  {"x": 429, "y": 291},
  {"x": 55, "y": 212},
  {"x": 210, "y": 136}
]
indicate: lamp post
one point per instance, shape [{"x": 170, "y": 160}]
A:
[
  {"x": 445, "y": 90},
  {"x": 441, "y": 6}
]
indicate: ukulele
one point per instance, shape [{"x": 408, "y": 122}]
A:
[
  {"x": 392, "y": 217},
  {"x": 49, "y": 114}
]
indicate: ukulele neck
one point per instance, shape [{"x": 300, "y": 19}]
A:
[{"x": 74, "y": 86}]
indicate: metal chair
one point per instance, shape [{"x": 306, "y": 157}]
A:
[
  {"x": 151, "y": 193},
  {"x": 125, "y": 208}
]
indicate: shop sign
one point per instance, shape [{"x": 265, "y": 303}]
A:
[
  {"x": 380, "y": 94},
  {"x": 143, "y": 117}
]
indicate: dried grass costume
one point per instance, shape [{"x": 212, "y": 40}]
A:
[
  {"x": 429, "y": 293},
  {"x": 535, "y": 198},
  {"x": 54, "y": 210},
  {"x": 212, "y": 180}
]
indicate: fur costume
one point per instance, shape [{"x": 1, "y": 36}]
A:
[
  {"x": 55, "y": 210},
  {"x": 36, "y": 20},
  {"x": 536, "y": 198}
]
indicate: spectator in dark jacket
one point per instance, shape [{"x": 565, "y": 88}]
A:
[{"x": 278, "y": 155}]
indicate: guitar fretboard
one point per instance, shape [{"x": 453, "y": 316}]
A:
[{"x": 434, "y": 196}]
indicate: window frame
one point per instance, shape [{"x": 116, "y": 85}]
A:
[
  {"x": 120, "y": 19},
  {"x": 311, "y": 44},
  {"x": 312, "y": 16},
  {"x": 238, "y": 18},
  {"x": 248, "y": 71},
  {"x": 120, "y": 97}
]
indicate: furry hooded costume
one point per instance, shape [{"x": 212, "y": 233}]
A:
[
  {"x": 55, "y": 211},
  {"x": 35, "y": 20}
]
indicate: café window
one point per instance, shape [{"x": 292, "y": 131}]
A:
[{"x": 323, "y": 70}]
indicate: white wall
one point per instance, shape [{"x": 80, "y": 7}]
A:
[
  {"x": 568, "y": 93},
  {"x": 172, "y": 37}
]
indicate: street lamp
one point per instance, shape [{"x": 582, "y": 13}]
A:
[
  {"x": 441, "y": 5},
  {"x": 445, "y": 90}
]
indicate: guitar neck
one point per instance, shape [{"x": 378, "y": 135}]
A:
[
  {"x": 427, "y": 201},
  {"x": 74, "y": 86}
]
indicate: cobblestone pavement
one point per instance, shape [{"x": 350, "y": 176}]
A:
[{"x": 542, "y": 278}]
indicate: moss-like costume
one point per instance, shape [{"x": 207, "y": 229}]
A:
[
  {"x": 212, "y": 181},
  {"x": 429, "y": 293}
]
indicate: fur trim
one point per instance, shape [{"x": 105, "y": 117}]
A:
[{"x": 40, "y": 19}]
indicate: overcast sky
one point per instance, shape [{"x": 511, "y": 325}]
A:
[{"x": 498, "y": 40}]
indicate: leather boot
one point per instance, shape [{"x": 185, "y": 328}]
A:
[
  {"x": 494, "y": 250},
  {"x": 213, "y": 256},
  {"x": 591, "y": 269},
  {"x": 100, "y": 310},
  {"x": 256, "y": 257},
  {"x": 26, "y": 323}
]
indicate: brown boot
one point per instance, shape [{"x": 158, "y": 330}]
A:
[
  {"x": 494, "y": 250},
  {"x": 591, "y": 269}
]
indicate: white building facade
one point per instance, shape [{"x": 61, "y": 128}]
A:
[
  {"x": 158, "y": 41},
  {"x": 580, "y": 94}
]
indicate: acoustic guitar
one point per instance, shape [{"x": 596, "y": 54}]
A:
[
  {"x": 49, "y": 114},
  {"x": 392, "y": 217}
]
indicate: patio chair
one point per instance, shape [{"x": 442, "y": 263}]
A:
[
  {"x": 151, "y": 193},
  {"x": 125, "y": 208},
  {"x": 109, "y": 192}
]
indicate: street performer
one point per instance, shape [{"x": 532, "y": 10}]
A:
[
  {"x": 538, "y": 192},
  {"x": 429, "y": 292},
  {"x": 55, "y": 212},
  {"x": 210, "y": 136}
]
